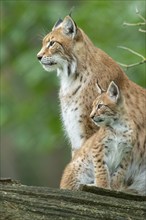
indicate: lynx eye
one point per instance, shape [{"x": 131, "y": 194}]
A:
[{"x": 50, "y": 44}]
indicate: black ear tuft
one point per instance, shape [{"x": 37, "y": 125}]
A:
[
  {"x": 71, "y": 11},
  {"x": 57, "y": 23}
]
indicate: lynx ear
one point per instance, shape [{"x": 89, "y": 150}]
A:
[
  {"x": 69, "y": 27},
  {"x": 98, "y": 89},
  {"x": 57, "y": 24},
  {"x": 113, "y": 91}
]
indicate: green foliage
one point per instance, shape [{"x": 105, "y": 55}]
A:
[{"x": 30, "y": 111}]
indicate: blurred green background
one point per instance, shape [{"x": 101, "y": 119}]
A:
[{"x": 33, "y": 146}]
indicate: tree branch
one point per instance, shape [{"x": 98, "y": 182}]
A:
[{"x": 19, "y": 202}]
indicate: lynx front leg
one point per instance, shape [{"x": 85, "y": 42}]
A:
[
  {"x": 77, "y": 172},
  {"x": 70, "y": 175},
  {"x": 102, "y": 177}
]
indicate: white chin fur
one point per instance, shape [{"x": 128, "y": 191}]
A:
[{"x": 50, "y": 68}]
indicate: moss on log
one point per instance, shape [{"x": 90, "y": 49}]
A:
[{"x": 20, "y": 202}]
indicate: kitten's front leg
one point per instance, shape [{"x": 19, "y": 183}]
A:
[
  {"x": 102, "y": 177},
  {"x": 118, "y": 176}
]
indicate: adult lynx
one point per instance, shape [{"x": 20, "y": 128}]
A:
[
  {"x": 107, "y": 158},
  {"x": 79, "y": 66}
]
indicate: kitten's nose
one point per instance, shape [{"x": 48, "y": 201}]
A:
[
  {"x": 39, "y": 57},
  {"x": 92, "y": 116}
]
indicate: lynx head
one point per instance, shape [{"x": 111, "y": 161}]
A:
[
  {"x": 59, "y": 45},
  {"x": 106, "y": 107}
]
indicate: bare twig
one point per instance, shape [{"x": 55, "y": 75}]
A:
[
  {"x": 143, "y": 59},
  {"x": 139, "y": 15},
  {"x": 127, "y": 66},
  {"x": 135, "y": 53},
  {"x": 139, "y": 23},
  {"x": 141, "y": 30},
  {"x": 132, "y": 51},
  {"x": 133, "y": 24}
]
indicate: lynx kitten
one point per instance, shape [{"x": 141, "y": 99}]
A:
[{"x": 106, "y": 158}]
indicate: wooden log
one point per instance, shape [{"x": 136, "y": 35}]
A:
[{"x": 20, "y": 202}]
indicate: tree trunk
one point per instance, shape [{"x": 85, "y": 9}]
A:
[{"x": 19, "y": 202}]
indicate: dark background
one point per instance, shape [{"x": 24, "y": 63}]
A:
[{"x": 33, "y": 146}]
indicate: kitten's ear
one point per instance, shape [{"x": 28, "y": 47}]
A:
[
  {"x": 113, "y": 91},
  {"x": 98, "y": 89},
  {"x": 69, "y": 27},
  {"x": 57, "y": 24}
]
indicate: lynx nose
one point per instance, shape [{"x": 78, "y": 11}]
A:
[{"x": 39, "y": 57}]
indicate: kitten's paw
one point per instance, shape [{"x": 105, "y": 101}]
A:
[
  {"x": 91, "y": 184},
  {"x": 116, "y": 185},
  {"x": 99, "y": 186}
]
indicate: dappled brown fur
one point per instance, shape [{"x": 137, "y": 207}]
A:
[{"x": 80, "y": 65}]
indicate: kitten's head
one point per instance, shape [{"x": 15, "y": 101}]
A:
[{"x": 106, "y": 107}]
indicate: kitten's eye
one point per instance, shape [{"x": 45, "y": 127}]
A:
[{"x": 100, "y": 105}]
